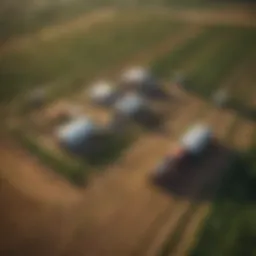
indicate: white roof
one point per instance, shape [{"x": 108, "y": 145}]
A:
[
  {"x": 130, "y": 103},
  {"x": 101, "y": 90},
  {"x": 196, "y": 136},
  {"x": 136, "y": 75},
  {"x": 75, "y": 130}
]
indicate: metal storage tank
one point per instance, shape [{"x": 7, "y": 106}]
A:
[
  {"x": 130, "y": 104},
  {"x": 196, "y": 139},
  {"x": 137, "y": 76},
  {"x": 103, "y": 93},
  {"x": 75, "y": 135},
  {"x": 134, "y": 107}
]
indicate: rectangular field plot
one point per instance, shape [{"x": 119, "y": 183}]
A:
[
  {"x": 209, "y": 58},
  {"x": 81, "y": 55}
]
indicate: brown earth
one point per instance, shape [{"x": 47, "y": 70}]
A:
[
  {"x": 121, "y": 212},
  {"x": 38, "y": 209}
]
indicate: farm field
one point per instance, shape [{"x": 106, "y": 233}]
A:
[{"x": 121, "y": 211}]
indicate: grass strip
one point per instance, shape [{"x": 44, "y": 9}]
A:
[{"x": 230, "y": 228}]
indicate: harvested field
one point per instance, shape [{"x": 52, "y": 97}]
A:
[{"x": 34, "y": 203}]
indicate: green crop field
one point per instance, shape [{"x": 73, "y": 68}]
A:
[
  {"x": 231, "y": 228},
  {"x": 81, "y": 55}
]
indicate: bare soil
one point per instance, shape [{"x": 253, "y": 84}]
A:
[
  {"x": 121, "y": 212},
  {"x": 35, "y": 204}
]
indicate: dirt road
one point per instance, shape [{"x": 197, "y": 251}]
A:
[
  {"x": 231, "y": 16},
  {"x": 83, "y": 24}
]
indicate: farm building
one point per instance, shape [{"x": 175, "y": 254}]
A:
[
  {"x": 130, "y": 104},
  {"x": 78, "y": 135},
  {"x": 196, "y": 139},
  {"x": 103, "y": 93},
  {"x": 134, "y": 107},
  {"x": 138, "y": 78}
]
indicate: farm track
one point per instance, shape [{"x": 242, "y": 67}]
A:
[
  {"x": 83, "y": 24},
  {"x": 240, "y": 17}
]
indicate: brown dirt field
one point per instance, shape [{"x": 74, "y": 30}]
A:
[
  {"x": 35, "y": 206},
  {"x": 83, "y": 23},
  {"x": 243, "y": 134},
  {"x": 120, "y": 207}
]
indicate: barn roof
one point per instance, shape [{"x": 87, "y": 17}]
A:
[
  {"x": 130, "y": 104},
  {"x": 136, "y": 75},
  {"x": 101, "y": 90},
  {"x": 196, "y": 135},
  {"x": 76, "y": 130}
]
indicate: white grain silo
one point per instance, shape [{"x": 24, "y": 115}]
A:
[
  {"x": 77, "y": 134},
  {"x": 102, "y": 93},
  {"x": 134, "y": 107},
  {"x": 196, "y": 139},
  {"x": 130, "y": 104},
  {"x": 138, "y": 78}
]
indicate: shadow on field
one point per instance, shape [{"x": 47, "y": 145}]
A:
[{"x": 198, "y": 179}]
